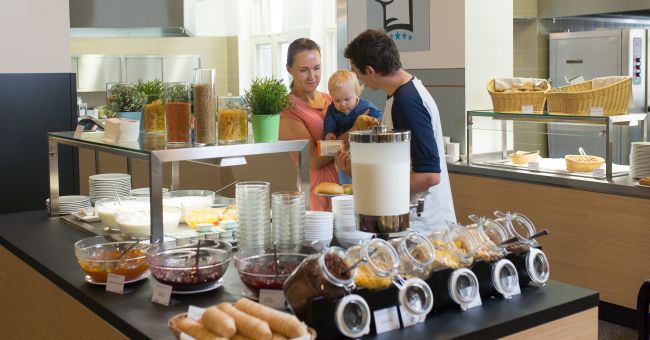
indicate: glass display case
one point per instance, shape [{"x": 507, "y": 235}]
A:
[
  {"x": 563, "y": 145},
  {"x": 152, "y": 148}
]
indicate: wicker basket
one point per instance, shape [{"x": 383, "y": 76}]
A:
[
  {"x": 173, "y": 326},
  {"x": 513, "y": 101},
  {"x": 578, "y": 163},
  {"x": 578, "y": 99}
]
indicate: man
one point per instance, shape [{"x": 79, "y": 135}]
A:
[{"x": 376, "y": 61}]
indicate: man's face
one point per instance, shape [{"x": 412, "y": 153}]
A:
[{"x": 366, "y": 79}]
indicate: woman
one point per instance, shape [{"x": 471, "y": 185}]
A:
[{"x": 306, "y": 118}]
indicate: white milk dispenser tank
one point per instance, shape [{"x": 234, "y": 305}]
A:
[{"x": 381, "y": 166}]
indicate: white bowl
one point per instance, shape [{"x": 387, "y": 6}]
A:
[
  {"x": 137, "y": 220},
  {"x": 106, "y": 208}
]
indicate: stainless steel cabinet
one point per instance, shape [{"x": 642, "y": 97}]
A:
[
  {"x": 179, "y": 67},
  {"x": 94, "y": 71},
  {"x": 142, "y": 67}
]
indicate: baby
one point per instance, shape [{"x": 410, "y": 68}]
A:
[{"x": 346, "y": 107}]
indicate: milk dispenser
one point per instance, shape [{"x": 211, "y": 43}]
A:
[{"x": 381, "y": 166}]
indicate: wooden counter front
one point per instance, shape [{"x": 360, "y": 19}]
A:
[{"x": 598, "y": 241}]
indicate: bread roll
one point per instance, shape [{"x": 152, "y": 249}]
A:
[
  {"x": 196, "y": 330},
  {"x": 282, "y": 323},
  {"x": 219, "y": 322},
  {"x": 645, "y": 181},
  {"x": 329, "y": 188},
  {"x": 365, "y": 122}
]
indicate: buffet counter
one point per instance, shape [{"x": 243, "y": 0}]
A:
[
  {"x": 44, "y": 292},
  {"x": 598, "y": 228}
]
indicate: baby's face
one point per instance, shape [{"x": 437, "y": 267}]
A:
[{"x": 344, "y": 98}]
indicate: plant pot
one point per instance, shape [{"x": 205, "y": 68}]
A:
[
  {"x": 131, "y": 115},
  {"x": 265, "y": 128}
]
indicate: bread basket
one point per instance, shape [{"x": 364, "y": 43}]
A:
[
  {"x": 512, "y": 102},
  {"x": 173, "y": 326},
  {"x": 579, "y": 99},
  {"x": 583, "y": 163}
]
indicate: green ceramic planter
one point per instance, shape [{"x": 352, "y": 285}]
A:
[{"x": 265, "y": 128}]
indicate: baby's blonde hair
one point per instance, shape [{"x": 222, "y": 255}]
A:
[{"x": 341, "y": 77}]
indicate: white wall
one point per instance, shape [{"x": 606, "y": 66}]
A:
[
  {"x": 35, "y": 36},
  {"x": 446, "y": 39},
  {"x": 488, "y": 54}
]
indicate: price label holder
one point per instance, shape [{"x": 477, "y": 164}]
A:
[
  {"x": 161, "y": 294},
  {"x": 597, "y": 111},
  {"x": 115, "y": 283},
  {"x": 272, "y": 298},
  {"x": 78, "y": 131},
  {"x": 409, "y": 319},
  {"x": 599, "y": 173},
  {"x": 533, "y": 166},
  {"x": 386, "y": 319},
  {"x": 526, "y": 109},
  {"x": 195, "y": 313}
]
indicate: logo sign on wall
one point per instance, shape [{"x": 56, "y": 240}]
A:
[{"x": 406, "y": 21}]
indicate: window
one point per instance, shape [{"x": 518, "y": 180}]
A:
[{"x": 269, "y": 36}]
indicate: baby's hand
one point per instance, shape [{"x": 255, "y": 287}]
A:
[{"x": 330, "y": 136}]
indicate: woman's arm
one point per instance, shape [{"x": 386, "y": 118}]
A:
[{"x": 291, "y": 129}]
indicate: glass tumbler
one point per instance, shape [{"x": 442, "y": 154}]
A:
[
  {"x": 288, "y": 219},
  {"x": 205, "y": 106},
  {"x": 178, "y": 112},
  {"x": 254, "y": 232}
]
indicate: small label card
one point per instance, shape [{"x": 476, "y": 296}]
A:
[
  {"x": 195, "y": 313},
  {"x": 329, "y": 147},
  {"x": 600, "y": 172},
  {"x": 533, "y": 166},
  {"x": 386, "y": 320},
  {"x": 115, "y": 283},
  {"x": 527, "y": 109},
  {"x": 161, "y": 294},
  {"x": 409, "y": 319},
  {"x": 78, "y": 131},
  {"x": 597, "y": 111},
  {"x": 272, "y": 298}
]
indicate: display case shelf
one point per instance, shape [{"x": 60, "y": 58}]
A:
[
  {"x": 503, "y": 130},
  {"x": 153, "y": 149}
]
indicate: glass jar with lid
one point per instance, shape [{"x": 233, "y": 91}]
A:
[
  {"x": 489, "y": 236},
  {"x": 519, "y": 226},
  {"x": 532, "y": 262},
  {"x": 454, "y": 247},
  {"x": 232, "y": 120},
  {"x": 382, "y": 261},
  {"x": 330, "y": 275},
  {"x": 416, "y": 255},
  {"x": 178, "y": 113}
]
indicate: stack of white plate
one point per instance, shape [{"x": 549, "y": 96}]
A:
[
  {"x": 70, "y": 204},
  {"x": 640, "y": 159},
  {"x": 319, "y": 227},
  {"x": 101, "y": 186},
  {"x": 345, "y": 224}
]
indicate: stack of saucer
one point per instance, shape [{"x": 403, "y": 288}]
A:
[
  {"x": 101, "y": 186},
  {"x": 70, "y": 204},
  {"x": 640, "y": 160},
  {"x": 319, "y": 227},
  {"x": 345, "y": 224}
]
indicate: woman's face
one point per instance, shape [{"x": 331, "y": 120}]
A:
[{"x": 305, "y": 70}]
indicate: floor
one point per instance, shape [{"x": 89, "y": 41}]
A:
[{"x": 610, "y": 331}]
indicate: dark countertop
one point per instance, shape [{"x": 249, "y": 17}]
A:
[
  {"x": 623, "y": 185},
  {"x": 47, "y": 246}
]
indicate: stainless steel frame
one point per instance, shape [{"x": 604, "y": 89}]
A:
[
  {"x": 607, "y": 121},
  {"x": 157, "y": 158}
]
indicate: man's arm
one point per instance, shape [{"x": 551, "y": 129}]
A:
[{"x": 421, "y": 181}]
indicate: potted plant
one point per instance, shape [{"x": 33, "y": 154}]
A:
[
  {"x": 266, "y": 98},
  {"x": 126, "y": 101}
]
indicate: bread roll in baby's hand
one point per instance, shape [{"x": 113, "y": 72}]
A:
[
  {"x": 329, "y": 188},
  {"x": 365, "y": 122}
]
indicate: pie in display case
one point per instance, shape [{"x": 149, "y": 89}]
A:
[{"x": 564, "y": 145}]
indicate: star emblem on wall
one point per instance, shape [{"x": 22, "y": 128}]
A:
[{"x": 401, "y": 36}]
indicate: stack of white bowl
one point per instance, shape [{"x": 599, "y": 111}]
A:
[
  {"x": 102, "y": 185},
  {"x": 345, "y": 225},
  {"x": 70, "y": 204},
  {"x": 640, "y": 160},
  {"x": 319, "y": 226}
]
